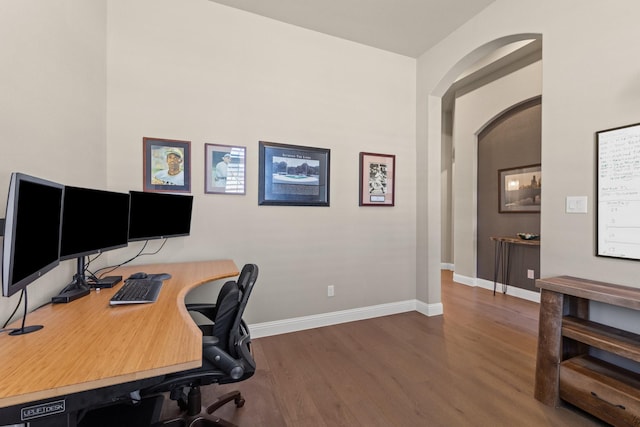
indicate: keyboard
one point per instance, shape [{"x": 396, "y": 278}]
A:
[{"x": 137, "y": 291}]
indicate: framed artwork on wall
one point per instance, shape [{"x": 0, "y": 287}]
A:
[
  {"x": 377, "y": 179},
  {"x": 293, "y": 175},
  {"x": 166, "y": 165},
  {"x": 224, "y": 169},
  {"x": 520, "y": 189}
]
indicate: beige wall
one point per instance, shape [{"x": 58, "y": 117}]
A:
[
  {"x": 53, "y": 105},
  {"x": 584, "y": 89},
  {"x": 473, "y": 112},
  {"x": 198, "y": 71}
]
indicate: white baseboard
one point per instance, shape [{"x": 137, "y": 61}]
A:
[
  {"x": 487, "y": 284},
  {"x": 446, "y": 266},
  {"x": 429, "y": 309},
  {"x": 284, "y": 326},
  {"x": 469, "y": 281},
  {"x": 514, "y": 291}
]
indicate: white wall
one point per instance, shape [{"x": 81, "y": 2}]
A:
[
  {"x": 589, "y": 82},
  {"x": 198, "y": 71},
  {"x": 53, "y": 105}
]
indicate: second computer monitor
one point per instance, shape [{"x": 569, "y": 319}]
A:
[{"x": 93, "y": 221}]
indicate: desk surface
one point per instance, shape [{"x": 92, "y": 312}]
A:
[{"x": 87, "y": 343}]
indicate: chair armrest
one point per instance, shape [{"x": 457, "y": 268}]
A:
[
  {"x": 223, "y": 361},
  {"x": 209, "y": 340}
]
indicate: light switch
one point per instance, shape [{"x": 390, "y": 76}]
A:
[{"x": 576, "y": 204}]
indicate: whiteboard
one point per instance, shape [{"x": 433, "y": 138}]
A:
[{"x": 619, "y": 192}]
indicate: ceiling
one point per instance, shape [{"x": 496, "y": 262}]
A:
[{"x": 406, "y": 27}]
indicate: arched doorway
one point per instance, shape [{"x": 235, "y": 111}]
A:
[{"x": 439, "y": 221}]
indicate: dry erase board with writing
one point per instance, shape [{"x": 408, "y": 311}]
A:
[{"x": 618, "y": 179}]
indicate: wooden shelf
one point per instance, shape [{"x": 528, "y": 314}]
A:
[
  {"x": 607, "y": 391},
  {"x": 607, "y": 338}
]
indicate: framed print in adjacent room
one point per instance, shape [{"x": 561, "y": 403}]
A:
[
  {"x": 166, "y": 165},
  {"x": 520, "y": 189},
  {"x": 377, "y": 179},
  {"x": 293, "y": 175},
  {"x": 224, "y": 169}
]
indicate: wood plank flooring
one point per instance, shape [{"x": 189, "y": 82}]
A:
[{"x": 473, "y": 366}]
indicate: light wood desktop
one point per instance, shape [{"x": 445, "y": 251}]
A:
[{"x": 88, "y": 344}]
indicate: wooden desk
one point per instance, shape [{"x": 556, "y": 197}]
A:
[
  {"x": 88, "y": 344},
  {"x": 502, "y": 257}
]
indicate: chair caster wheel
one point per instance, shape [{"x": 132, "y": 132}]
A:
[{"x": 239, "y": 402}]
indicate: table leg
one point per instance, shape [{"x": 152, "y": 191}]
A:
[
  {"x": 506, "y": 258},
  {"x": 496, "y": 263}
]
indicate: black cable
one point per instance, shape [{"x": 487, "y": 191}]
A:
[
  {"x": 111, "y": 268},
  {"x": 139, "y": 254},
  {"x": 24, "y": 317},
  {"x": 91, "y": 275},
  {"x": 159, "y": 249},
  {"x": 14, "y": 311}
]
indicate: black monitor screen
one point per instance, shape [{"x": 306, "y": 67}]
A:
[
  {"x": 32, "y": 231},
  {"x": 93, "y": 221},
  {"x": 159, "y": 215}
]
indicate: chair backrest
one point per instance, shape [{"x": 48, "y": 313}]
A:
[
  {"x": 239, "y": 330},
  {"x": 227, "y": 306},
  {"x": 248, "y": 272}
]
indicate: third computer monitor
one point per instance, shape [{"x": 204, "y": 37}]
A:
[{"x": 159, "y": 215}]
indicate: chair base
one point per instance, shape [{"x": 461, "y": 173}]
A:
[
  {"x": 204, "y": 416},
  {"x": 196, "y": 421}
]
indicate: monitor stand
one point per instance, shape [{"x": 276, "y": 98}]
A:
[
  {"x": 76, "y": 289},
  {"x": 25, "y": 329}
]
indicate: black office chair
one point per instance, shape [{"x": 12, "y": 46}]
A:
[
  {"x": 208, "y": 310},
  {"x": 226, "y": 358}
]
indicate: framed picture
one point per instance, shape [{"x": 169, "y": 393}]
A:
[
  {"x": 167, "y": 165},
  {"x": 224, "y": 169},
  {"x": 618, "y": 187},
  {"x": 377, "y": 179},
  {"x": 293, "y": 175},
  {"x": 520, "y": 189}
]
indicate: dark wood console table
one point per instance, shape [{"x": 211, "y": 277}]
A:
[
  {"x": 503, "y": 256},
  {"x": 565, "y": 369}
]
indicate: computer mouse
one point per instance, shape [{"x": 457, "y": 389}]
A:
[
  {"x": 162, "y": 276},
  {"x": 139, "y": 275}
]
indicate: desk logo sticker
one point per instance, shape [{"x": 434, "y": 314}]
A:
[{"x": 42, "y": 410}]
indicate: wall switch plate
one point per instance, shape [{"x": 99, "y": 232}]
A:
[
  {"x": 330, "y": 291},
  {"x": 576, "y": 204},
  {"x": 531, "y": 274}
]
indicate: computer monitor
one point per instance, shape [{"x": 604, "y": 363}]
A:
[
  {"x": 159, "y": 215},
  {"x": 31, "y": 245},
  {"x": 93, "y": 221}
]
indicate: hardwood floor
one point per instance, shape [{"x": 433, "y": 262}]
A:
[{"x": 473, "y": 366}]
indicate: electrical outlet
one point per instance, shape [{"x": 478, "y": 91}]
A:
[
  {"x": 330, "y": 291},
  {"x": 531, "y": 274}
]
